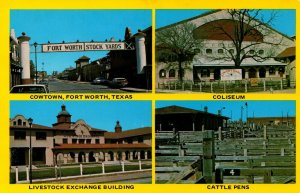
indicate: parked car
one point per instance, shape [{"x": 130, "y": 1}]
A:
[
  {"x": 100, "y": 80},
  {"x": 118, "y": 82},
  {"x": 30, "y": 88},
  {"x": 44, "y": 82}
]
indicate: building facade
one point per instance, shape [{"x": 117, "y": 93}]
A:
[
  {"x": 175, "y": 118},
  {"x": 15, "y": 64},
  {"x": 212, "y": 57},
  {"x": 69, "y": 142}
]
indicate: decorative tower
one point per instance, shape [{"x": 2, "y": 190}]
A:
[
  {"x": 118, "y": 128},
  {"x": 63, "y": 119}
]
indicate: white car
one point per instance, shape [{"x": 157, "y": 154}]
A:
[{"x": 30, "y": 88}]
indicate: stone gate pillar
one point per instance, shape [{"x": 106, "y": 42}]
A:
[
  {"x": 25, "y": 58},
  {"x": 140, "y": 51}
]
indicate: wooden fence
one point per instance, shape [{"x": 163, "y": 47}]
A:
[{"x": 208, "y": 157}]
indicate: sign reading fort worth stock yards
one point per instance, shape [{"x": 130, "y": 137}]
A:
[{"x": 83, "y": 46}]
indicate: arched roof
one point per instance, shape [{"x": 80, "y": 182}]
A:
[{"x": 223, "y": 29}]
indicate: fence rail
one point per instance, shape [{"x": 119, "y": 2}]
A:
[{"x": 242, "y": 86}]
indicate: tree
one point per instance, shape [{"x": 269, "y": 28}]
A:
[
  {"x": 248, "y": 31},
  {"x": 32, "y": 69},
  {"x": 178, "y": 41}
]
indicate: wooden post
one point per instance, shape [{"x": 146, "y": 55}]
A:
[
  {"x": 17, "y": 175},
  {"x": 267, "y": 177},
  {"x": 245, "y": 154},
  {"x": 123, "y": 166},
  {"x": 208, "y": 156},
  {"x": 55, "y": 171},
  {"x": 27, "y": 173},
  {"x": 265, "y": 132},
  {"x": 81, "y": 170},
  {"x": 140, "y": 165},
  {"x": 264, "y": 85},
  {"x": 211, "y": 87},
  {"x": 246, "y": 89},
  {"x": 183, "y": 86},
  {"x": 200, "y": 87},
  {"x": 220, "y": 133},
  {"x": 103, "y": 168},
  {"x": 281, "y": 84}
]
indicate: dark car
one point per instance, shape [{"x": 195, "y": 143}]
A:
[
  {"x": 100, "y": 80},
  {"x": 30, "y": 88},
  {"x": 44, "y": 82},
  {"x": 118, "y": 82}
]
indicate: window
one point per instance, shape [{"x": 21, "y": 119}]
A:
[
  {"x": 97, "y": 141},
  {"x": 208, "y": 51},
  {"x": 20, "y": 135},
  {"x": 65, "y": 141},
  {"x": 272, "y": 71},
  {"x": 74, "y": 141},
  {"x": 88, "y": 141},
  {"x": 19, "y": 122},
  {"x": 41, "y": 135},
  {"x": 172, "y": 73},
  {"x": 261, "y": 52},
  {"x": 251, "y": 52},
  {"x": 140, "y": 139},
  {"x": 81, "y": 141},
  {"x": 162, "y": 73},
  {"x": 14, "y": 123},
  {"x": 24, "y": 124},
  {"x": 231, "y": 51},
  {"x": 220, "y": 51}
]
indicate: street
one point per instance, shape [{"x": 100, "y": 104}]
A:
[{"x": 64, "y": 86}]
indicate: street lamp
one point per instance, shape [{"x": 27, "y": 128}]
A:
[
  {"x": 220, "y": 111},
  {"x": 30, "y": 120},
  {"x": 35, "y": 45}
]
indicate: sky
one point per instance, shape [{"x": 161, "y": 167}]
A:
[
  {"x": 97, "y": 114},
  {"x": 233, "y": 108},
  {"x": 285, "y": 20},
  {"x": 72, "y": 25}
]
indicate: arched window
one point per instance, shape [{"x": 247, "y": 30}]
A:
[
  {"x": 172, "y": 73},
  {"x": 208, "y": 51},
  {"x": 220, "y": 51},
  {"x": 162, "y": 73},
  {"x": 261, "y": 52},
  {"x": 271, "y": 70},
  {"x": 19, "y": 122}
]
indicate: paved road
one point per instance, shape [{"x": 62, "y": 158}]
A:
[{"x": 59, "y": 86}]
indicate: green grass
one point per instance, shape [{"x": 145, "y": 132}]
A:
[{"x": 74, "y": 171}]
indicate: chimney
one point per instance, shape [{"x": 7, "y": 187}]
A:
[{"x": 118, "y": 128}]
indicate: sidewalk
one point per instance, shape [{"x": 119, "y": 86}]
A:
[{"x": 131, "y": 89}]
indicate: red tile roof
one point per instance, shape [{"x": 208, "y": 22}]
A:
[
  {"x": 101, "y": 146},
  {"x": 288, "y": 52},
  {"x": 129, "y": 133}
]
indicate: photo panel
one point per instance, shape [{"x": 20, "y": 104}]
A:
[
  {"x": 225, "y": 142},
  {"x": 80, "y": 51},
  {"x": 225, "y": 51},
  {"x": 80, "y": 142}
]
